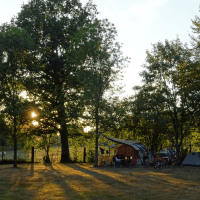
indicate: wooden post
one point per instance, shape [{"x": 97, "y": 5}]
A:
[
  {"x": 32, "y": 157},
  {"x": 2, "y": 152},
  {"x": 84, "y": 154}
]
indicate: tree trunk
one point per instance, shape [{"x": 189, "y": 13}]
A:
[
  {"x": 84, "y": 154},
  {"x": 2, "y": 153},
  {"x": 63, "y": 132},
  {"x": 97, "y": 137},
  {"x": 177, "y": 149},
  {"x": 15, "y": 142},
  {"x": 96, "y": 151},
  {"x": 64, "y": 146},
  {"x": 47, "y": 158},
  {"x": 32, "y": 157},
  {"x": 178, "y": 154}
]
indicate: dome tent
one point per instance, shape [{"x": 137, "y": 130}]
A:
[{"x": 192, "y": 159}]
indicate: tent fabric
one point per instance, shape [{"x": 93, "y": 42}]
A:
[
  {"x": 116, "y": 147},
  {"x": 172, "y": 152},
  {"x": 128, "y": 142},
  {"x": 136, "y": 145},
  {"x": 140, "y": 148},
  {"x": 192, "y": 159},
  {"x": 128, "y": 151},
  {"x": 156, "y": 159}
]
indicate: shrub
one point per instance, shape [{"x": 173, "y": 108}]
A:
[{"x": 90, "y": 156}]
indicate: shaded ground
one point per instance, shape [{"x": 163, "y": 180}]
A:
[{"x": 83, "y": 181}]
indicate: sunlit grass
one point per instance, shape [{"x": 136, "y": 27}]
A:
[{"x": 83, "y": 181}]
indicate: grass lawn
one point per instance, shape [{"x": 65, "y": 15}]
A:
[{"x": 83, "y": 181}]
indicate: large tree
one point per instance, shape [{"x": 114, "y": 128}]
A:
[
  {"x": 102, "y": 76},
  {"x": 145, "y": 122},
  {"x": 164, "y": 96},
  {"x": 69, "y": 38},
  {"x": 14, "y": 47},
  {"x": 192, "y": 80}
]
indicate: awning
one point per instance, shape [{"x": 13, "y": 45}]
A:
[
  {"x": 139, "y": 147},
  {"x": 121, "y": 141},
  {"x": 135, "y": 144},
  {"x": 116, "y": 147}
]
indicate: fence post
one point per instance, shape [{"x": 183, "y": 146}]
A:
[
  {"x": 32, "y": 158},
  {"x": 84, "y": 154}
]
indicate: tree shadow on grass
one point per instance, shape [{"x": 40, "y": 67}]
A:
[
  {"x": 32, "y": 169},
  {"x": 51, "y": 175},
  {"x": 5, "y": 184},
  {"x": 12, "y": 182},
  {"x": 37, "y": 182},
  {"x": 150, "y": 184},
  {"x": 99, "y": 184},
  {"x": 78, "y": 181}
]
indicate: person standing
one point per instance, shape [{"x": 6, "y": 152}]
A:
[
  {"x": 146, "y": 156},
  {"x": 169, "y": 156},
  {"x": 173, "y": 150},
  {"x": 159, "y": 164},
  {"x": 101, "y": 150},
  {"x": 118, "y": 160}
]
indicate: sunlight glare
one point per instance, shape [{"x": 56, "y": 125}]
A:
[
  {"x": 35, "y": 123},
  {"x": 33, "y": 114}
]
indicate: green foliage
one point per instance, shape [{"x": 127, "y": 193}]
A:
[
  {"x": 14, "y": 47},
  {"x": 90, "y": 155},
  {"x": 115, "y": 118},
  {"x": 4, "y": 129},
  {"x": 75, "y": 145},
  {"x": 165, "y": 99},
  {"x": 72, "y": 48},
  {"x": 89, "y": 143}
]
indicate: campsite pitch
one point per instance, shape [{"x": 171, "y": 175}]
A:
[{"x": 83, "y": 181}]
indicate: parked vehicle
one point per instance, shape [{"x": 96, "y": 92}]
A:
[
  {"x": 164, "y": 154},
  {"x": 164, "y": 158}
]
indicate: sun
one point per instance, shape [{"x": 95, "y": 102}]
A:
[{"x": 33, "y": 114}]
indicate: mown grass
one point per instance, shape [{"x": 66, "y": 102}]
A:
[{"x": 83, "y": 181}]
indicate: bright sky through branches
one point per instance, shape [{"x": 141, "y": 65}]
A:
[
  {"x": 139, "y": 23},
  {"x": 23, "y": 94}
]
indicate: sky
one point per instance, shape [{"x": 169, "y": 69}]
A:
[{"x": 140, "y": 23}]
